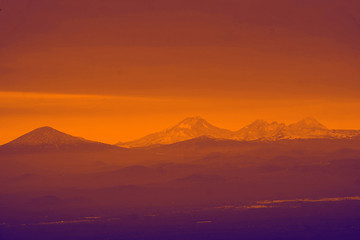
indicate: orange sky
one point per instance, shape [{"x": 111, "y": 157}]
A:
[{"x": 116, "y": 70}]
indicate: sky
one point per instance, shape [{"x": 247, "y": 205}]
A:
[{"x": 117, "y": 70}]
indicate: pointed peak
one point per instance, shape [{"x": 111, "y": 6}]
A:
[
  {"x": 45, "y": 135},
  {"x": 309, "y": 119},
  {"x": 309, "y": 122},
  {"x": 261, "y": 121},
  {"x": 44, "y": 129},
  {"x": 193, "y": 119},
  {"x": 191, "y": 122},
  {"x": 258, "y": 122}
]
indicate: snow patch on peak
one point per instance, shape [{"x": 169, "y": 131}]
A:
[
  {"x": 185, "y": 125},
  {"x": 193, "y": 120},
  {"x": 259, "y": 122},
  {"x": 192, "y": 123}
]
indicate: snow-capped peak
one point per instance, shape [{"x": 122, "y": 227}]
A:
[
  {"x": 308, "y": 122},
  {"x": 193, "y": 121},
  {"x": 191, "y": 127}
]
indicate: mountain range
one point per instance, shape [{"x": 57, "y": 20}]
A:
[
  {"x": 49, "y": 139},
  {"x": 260, "y": 130}
]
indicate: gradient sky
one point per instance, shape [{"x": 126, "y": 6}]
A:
[{"x": 117, "y": 70}]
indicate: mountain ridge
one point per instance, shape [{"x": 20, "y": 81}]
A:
[
  {"x": 195, "y": 127},
  {"x": 50, "y": 139}
]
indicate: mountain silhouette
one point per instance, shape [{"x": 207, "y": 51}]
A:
[{"x": 48, "y": 139}]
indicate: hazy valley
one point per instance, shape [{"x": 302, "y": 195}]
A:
[{"x": 48, "y": 176}]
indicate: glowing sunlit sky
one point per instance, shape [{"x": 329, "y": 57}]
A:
[{"x": 117, "y": 70}]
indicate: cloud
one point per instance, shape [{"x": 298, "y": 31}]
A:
[{"x": 50, "y": 96}]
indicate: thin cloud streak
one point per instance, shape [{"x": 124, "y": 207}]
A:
[{"x": 38, "y": 95}]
